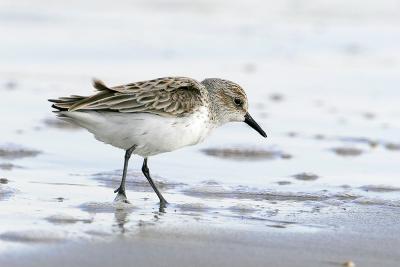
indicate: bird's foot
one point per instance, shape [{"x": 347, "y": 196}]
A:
[
  {"x": 120, "y": 190},
  {"x": 121, "y": 195},
  {"x": 121, "y": 198},
  {"x": 163, "y": 203}
]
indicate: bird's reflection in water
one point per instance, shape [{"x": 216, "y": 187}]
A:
[{"x": 121, "y": 217}]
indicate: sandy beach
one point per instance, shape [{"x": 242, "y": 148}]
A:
[
  {"x": 322, "y": 189},
  {"x": 364, "y": 236}
]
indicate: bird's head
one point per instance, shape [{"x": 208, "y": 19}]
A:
[{"x": 230, "y": 103}]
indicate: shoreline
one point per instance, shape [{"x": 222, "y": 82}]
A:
[{"x": 364, "y": 235}]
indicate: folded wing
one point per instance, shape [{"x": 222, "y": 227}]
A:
[{"x": 169, "y": 96}]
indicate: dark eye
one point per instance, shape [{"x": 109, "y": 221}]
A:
[{"x": 238, "y": 102}]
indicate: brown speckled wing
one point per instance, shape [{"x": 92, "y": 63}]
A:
[{"x": 170, "y": 96}]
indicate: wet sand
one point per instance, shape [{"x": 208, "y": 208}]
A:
[
  {"x": 357, "y": 236},
  {"x": 321, "y": 190}
]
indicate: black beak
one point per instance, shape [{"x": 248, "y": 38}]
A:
[{"x": 253, "y": 124}]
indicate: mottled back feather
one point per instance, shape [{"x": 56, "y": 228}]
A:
[{"x": 169, "y": 96}]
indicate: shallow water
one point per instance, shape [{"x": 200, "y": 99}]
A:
[{"x": 333, "y": 121}]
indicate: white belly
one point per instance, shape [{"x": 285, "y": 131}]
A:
[{"x": 152, "y": 134}]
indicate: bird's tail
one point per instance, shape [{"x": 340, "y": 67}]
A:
[
  {"x": 65, "y": 103},
  {"x": 74, "y": 102}
]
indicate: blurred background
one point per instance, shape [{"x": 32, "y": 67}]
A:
[
  {"x": 223, "y": 36},
  {"x": 322, "y": 79},
  {"x": 312, "y": 68}
]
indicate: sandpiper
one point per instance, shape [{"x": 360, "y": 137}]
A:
[{"x": 147, "y": 118}]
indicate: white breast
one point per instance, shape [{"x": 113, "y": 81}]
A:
[{"x": 152, "y": 134}]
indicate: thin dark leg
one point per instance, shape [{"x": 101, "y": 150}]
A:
[
  {"x": 146, "y": 173},
  {"x": 121, "y": 188}
]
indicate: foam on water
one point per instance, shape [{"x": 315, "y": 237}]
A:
[
  {"x": 12, "y": 151},
  {"x": 347, "y": 151},
  {"x": 67, "y": 219},
  {"x": 136, "y": 180},
  {"x": 106, "y": 207},
  {"x": 241, "y": 153},
  {"x": 33, "y": 236}
]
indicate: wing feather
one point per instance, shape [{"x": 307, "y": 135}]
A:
[{"x": 164, "y": 96}]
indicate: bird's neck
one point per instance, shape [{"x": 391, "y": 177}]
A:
[{"x": 216, "y": 113}]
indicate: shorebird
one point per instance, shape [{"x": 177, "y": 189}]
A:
[{"x": 147, "y": 118}]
